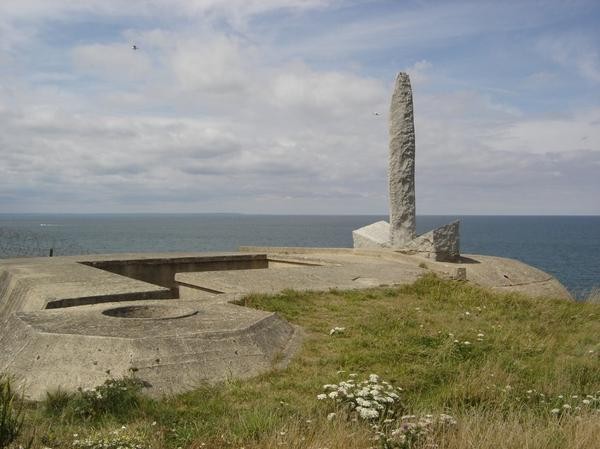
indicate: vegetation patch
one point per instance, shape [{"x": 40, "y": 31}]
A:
[{"x": 470, "y": 368}]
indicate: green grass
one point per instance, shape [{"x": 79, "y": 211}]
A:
[{"x": 546, "y": 347}]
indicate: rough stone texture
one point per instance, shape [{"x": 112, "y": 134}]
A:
[
  {"x": 439, "y": 244},
  {"x": 376, "y": 235},
  {"x": 442, "y": 244},
  {"x": 401, "y": 170}
]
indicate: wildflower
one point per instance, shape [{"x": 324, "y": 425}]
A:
[
  {"x": 566, "y": 406},
  {"x": 321, "y": 396},
  {"x": 337, "y": 330},
  {"x": 367, "y": 413},
  {"x": 466, "y": 343},
  {"x": 373, "y": 378},
  {"x": 481, "y": 335},
  {"x": 333, "y": 395},
  {"x": 467, "y": 313},
  {"x": 586, "y": 401},
  {"x": 330, "y": 416},
  {"x": 447, "y": 419}
]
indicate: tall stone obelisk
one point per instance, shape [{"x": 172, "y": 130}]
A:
[
  {"x": 401, "y": 169},
  {"x": 443, "y": 243}
]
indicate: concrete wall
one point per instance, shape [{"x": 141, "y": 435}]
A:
[{"x": 162, "y": 271}]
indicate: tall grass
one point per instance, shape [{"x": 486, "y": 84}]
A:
[{"x": 11, "y": 413}]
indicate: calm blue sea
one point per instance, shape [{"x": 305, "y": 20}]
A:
[{"x": 567, "y": 247}]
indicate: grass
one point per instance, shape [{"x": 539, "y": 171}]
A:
[{"x": 524, "y": 357}]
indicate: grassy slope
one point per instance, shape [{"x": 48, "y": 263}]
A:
[{"x": 406, "y": 335}]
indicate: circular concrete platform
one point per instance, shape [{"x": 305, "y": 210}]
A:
[{"x": 173, "y": 345}]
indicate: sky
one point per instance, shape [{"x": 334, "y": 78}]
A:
[{"x": 269, "y": 106}]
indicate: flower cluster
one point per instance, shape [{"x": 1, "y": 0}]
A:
[
  {"x": 411, "y": 430},
  {"x": 370, "y": 399},
  {"x": 337, "y": 330},
  {"x": 117, "y": 439},
  {"x": 575, "y": 403}
]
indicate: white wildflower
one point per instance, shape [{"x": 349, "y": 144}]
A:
[
  {"x": 330, "y": 416},
  {"x": 367, "y": 413},
  {"x": 321, "y": 396}
]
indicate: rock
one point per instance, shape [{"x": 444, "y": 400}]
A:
[
  {"x": 375, "y": 235},
  {"x": 441, "y": 244},
  {"x": 401, "y": 170}
]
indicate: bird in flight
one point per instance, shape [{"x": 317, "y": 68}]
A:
[
  {"x": 134, "y": 47},
  {"x": 376, "y": 113}
]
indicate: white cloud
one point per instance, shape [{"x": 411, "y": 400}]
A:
[
  {"x": 114, "y": 62},
  {"x": 207, "y": 118},
  {"x": 217, "y": 64},
  {"x": 574, "y": 51}
]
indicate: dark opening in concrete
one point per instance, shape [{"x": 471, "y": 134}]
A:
[
  {"x": 153, "y": 312},
  {"x": 161, "y": 271}
]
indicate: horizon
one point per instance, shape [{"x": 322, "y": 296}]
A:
[
  {"x": 279, "y": 107},
  {"x": 291, "y": 215}
]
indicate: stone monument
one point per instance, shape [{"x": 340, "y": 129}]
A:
[{"x": 399, "y": 234}]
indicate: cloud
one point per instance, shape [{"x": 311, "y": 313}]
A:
[
  {"x": 209, "y": 116},
  {"x": 114, "y": 62},
  {"x": 217, "y": 64},
  {"x": 574, "y": 51}
]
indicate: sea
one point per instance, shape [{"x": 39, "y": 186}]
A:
[{"x": 568, "y": 247}]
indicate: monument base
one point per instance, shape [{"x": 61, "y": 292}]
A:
[{"x": 441, "y": 244}]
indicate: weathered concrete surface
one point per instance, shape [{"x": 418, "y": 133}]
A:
[
  {"x": 31, "y": 284},
  {"x": 376, "y": 235},
  {"x": 369, "y": 273},
  {"x": 441, "y": 244},
  {"x": 189, "y": 343},
  {"x": 401, "y": 169},
  {"x": 496, "y": 273},
  {"x": 50, "y": 338}
]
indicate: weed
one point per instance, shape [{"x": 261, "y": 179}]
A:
[{"x": 11, "y": 413}]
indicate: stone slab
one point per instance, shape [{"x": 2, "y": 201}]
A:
[
  {"x": 441, "y": 244},
  {"x": 376, "y": 235}
]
